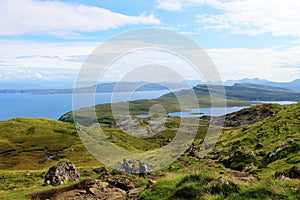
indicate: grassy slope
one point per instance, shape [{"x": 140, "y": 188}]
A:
[
  {"x": 25, "y": 143},
  {"x": 271, "y": 132},
  {"x": 201, "y": 180},
  {"x": 27, "y": 153},
  {"x": 213, "y": 182}
]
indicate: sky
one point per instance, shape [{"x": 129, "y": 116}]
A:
[{"x": 46, "y": 42}]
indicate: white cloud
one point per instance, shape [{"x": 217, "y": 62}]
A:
[
  {"x": 174, "y": 5},
  {"x": 177, "y": 5},
  {"x": 57, "y": 18},
  {"x": 27, "y": 59},
  {"x": 268, "y": 63},
  {"x": 42, "y": 54},
  {"x": 281, "y": 18},
  {"x": 27, "y": 73}
]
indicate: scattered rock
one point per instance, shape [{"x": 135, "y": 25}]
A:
[
  {"x": 86, "y": 189},
  {"x": 235, "y": 148},
  {"x": 217, "y": 151},
  {"x": 282, "y": 146},
  {"x": 63, "y": 172},
  {"x": 130, "y": 125},
  {"x": 100, "y": 170},
  {"x": 121, "y": 182},
  {"x": 239, "y": 160},
  {"x": 248, "y": 168},
  {"x": 249, "y": 153},
  {"x": 134, "y": 193}
]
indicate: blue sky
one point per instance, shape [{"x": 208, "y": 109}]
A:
[{"x": 48, "y": 40}]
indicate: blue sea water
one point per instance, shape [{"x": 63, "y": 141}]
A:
[{"x": 54, "y": 105}]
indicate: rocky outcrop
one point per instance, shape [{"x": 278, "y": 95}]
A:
[
  {"x": 244, "y": 117},
  {"x": 282, "y": 151},
  {"x": 121, "y": 182},
  {"x": 130, "y": 126},
  {"x": 64, "y": 171},
  {"x": 87, "y": 189},
  {"x": 92, "y": 190}
]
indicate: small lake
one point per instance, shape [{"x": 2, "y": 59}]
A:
[{"x": 200, "y": 112}]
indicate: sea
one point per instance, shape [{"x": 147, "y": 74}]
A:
[{"x": 55, "y": 105}]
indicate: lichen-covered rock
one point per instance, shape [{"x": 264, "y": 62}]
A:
[{"x": 64, "y": 171}]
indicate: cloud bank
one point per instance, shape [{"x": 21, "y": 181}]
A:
[{"x": 19, "y": 17}]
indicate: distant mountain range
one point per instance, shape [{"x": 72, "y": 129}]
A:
[
  {"x": 241, "y": 91},
  {"x": 295, "y": 84},
  {"x": 109, "y": 87},
  {"x": 144, "y": 86}
]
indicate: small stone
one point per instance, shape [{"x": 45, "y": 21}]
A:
[
  {"x": 28, "y": 174},
  {"x": 151, "y": 182}
]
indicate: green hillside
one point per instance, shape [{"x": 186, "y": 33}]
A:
[
  {"x": 279, "y": 132},
  {"x": 28, "y": 144},
  {"x": 231, "y": 171},
  {"x": 240, "y": 166}
]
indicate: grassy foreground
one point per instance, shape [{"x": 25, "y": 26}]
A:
[{"x": 28, "y": 147}]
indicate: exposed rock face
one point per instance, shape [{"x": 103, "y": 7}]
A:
[
  {"x": 90, "y": 190},
  {"x": 121, "y": 182},
  {"x": 244, "y": 117},
  {"x": 87, "y": 189},
  {"x": 131, "y": 126},
  {"x": 63, "y": 172}
]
